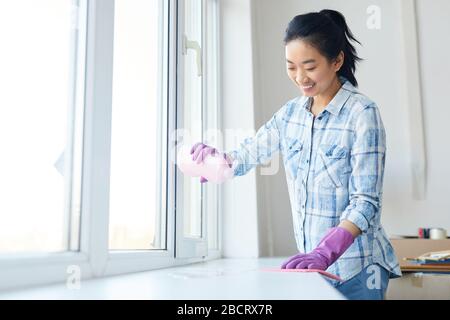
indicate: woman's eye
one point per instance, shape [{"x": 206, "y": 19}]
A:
[
  {"x": 310, "y": 69},
  {"x": 291, "y": 68}
]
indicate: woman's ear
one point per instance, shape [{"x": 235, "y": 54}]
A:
[{"x": 339, "y": 61}]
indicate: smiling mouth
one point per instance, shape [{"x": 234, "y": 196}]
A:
[{"x": 308, "y": 86}]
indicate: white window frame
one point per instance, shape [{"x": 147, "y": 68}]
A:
[
  {"x": 213, "y": 85},
  {"x": 188, "y": 247},
  {"x": 94, "y": 258},
  {"x": 198, "y": 247}
]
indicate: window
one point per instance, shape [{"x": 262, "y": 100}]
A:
[
  {"x": 91, "y": 92},
  {"x": 40, "y": 127},
  {"x": 192, "y": 97},
  {"x": 212, "y": 130},
  {"x": 137, "y": 217},
  {"x": 198, "y": 214}
]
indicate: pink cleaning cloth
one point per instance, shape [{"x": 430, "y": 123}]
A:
[{"x": 326, "y": 274}]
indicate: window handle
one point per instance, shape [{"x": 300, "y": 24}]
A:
[{"x": 194, "y": 45}]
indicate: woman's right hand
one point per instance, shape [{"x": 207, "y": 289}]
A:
[{"x": 200, "y": 151}]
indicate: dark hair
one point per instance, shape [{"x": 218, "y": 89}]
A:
[{"x": 328, "y": 32}]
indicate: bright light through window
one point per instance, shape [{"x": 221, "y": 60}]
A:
[
  {"x": 136, "y": 218},
  {"x": 36, "y": 59}
]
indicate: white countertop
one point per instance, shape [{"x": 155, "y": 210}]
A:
[{"x": 223, "y": 279}]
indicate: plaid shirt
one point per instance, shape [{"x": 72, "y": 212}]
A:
[{"x": 334, "y": 166}]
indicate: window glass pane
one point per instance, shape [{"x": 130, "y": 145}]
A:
[
  {"x": 193, "y": 101},
  {"x": 137, "y": 220},
  {"x": 213, "y": 135},
  {"x": 36, "y": 124},
  {"x": 212, "y": 210}
]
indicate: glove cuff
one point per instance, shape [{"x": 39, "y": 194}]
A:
[{"x": 334, "y": 244}]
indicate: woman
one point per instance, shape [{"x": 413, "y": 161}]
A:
[{"x": 333, "y": 144}]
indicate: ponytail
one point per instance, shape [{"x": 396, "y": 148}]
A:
[{"x": 328, "y": 32}]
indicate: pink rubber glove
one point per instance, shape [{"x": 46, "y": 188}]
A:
[
  {"x": 200, "y": 151},
  {"x": 330, "y": 248}
]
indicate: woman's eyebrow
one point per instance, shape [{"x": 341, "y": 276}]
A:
[{"x": 304, "y": 62}]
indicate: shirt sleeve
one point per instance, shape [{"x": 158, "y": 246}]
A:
[
  {"x": 258, "y": 149},
  {"x": 367, "y": 161}
]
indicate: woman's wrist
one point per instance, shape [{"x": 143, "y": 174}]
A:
[{"x": 350, "y": 227}]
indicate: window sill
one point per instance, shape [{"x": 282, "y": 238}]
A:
[{"x": 217, "y": 279}]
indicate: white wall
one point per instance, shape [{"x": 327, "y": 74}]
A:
[
  {"x": 434, "y": 27},
  {"x": 381, "y": 78},
  {"x": 239, "y": 212}
]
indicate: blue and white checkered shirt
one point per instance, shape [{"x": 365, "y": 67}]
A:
[{"x": 334, "y": 166}]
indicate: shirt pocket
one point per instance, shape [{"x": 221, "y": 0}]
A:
[
  {"x": 332, "y": 166},
  {"x": 292, "y": 155}
]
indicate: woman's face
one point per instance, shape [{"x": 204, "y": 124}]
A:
[{"x": 312, "y": 73}]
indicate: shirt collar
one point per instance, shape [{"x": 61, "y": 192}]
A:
[{"x": 338, "y": 101}]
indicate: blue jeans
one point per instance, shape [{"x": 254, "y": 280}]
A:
[{"x": 370, "y": 284}]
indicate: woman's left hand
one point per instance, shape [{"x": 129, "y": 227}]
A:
[{"x": 332, "y": 246}]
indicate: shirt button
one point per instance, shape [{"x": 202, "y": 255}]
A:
[
  {"x": 319, "y": 118},
  {"x": 303, "y": 206},
  {"x": 307, "y": 161}
]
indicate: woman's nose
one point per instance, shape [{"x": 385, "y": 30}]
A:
[{"x": 300, "y": 77}]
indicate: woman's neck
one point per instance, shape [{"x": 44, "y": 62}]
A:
[{"x": 322, "y": 100}]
